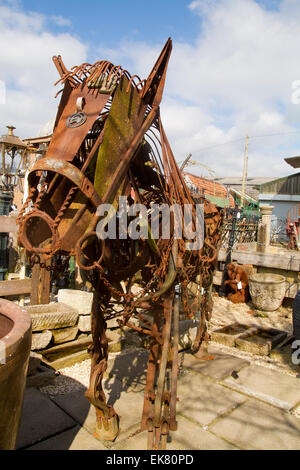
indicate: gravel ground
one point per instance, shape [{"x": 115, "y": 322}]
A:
[
  {"x": 226, "y": 312},
  {"x": 74, "y": 378},
  {"x": 70, "y": 379}
]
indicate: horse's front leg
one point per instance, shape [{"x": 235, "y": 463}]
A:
[{"x": 107, "y": 420}]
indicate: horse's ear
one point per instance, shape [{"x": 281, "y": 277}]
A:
[
  {"x": 155, "y": 83},
  {"x": 58, "y": 62}
]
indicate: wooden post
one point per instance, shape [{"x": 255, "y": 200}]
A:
[
  {"x": 45, "y": 283},
  {"x": 41, "y": 278},
  {"x": 35, "y": 275}
]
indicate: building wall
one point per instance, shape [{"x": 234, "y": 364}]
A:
[
  {"x": 19, "y": 190},
  {"x": 282, "y": 204},
  {"x": 283, "y": 186}
]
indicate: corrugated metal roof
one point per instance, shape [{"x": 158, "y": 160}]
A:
[
  {"x": 293, "y": 161},
  {"x": 251, "y": 180},
  {"x": 252, "y": 183}
]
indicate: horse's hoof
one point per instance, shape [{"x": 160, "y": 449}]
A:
[{"x": 107, "y": 429}]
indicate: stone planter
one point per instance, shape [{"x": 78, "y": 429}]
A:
[
  {"x": 52, "y": 316},
  {"x": 15, "y": 342},
  {"x": 78, "y": 299},
  {"x": 267, "y": 291}
]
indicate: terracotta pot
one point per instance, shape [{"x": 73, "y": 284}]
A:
[
  {"x": 267, "y": 291},
  {"x": 15, "y": 342}
]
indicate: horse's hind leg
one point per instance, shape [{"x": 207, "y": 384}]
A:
[{"x": 107, "y": 420}]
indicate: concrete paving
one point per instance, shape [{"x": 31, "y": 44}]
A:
[
  {"x": 129, "y": 407},
  {"x": 76, "y": 438},
  {"x": 257, "y": 426},
  {"x": 267, "y": 385},
  {"x": 220, "y": 407},
  {"x": 128, "y": 367},
  {"x": 202, "y": 400},
  {"x": 188, "y": 436},
  {"x": 219, "y": 368}
]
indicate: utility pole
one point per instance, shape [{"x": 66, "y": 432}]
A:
[{"x": 245, "y": 172}]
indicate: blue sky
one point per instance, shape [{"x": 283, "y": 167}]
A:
[
  {"x": 123, "y": 19},
  {"x": 231, "y": 72},
  {"x": 117, "y": 20}
]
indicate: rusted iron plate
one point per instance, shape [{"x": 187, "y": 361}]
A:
[
  {"x": 66, "y": 141},
  {"x": 70, "y": 172}
]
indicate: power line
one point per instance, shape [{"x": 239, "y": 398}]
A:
[
  {"x": 271, "y": 135},
  {"x": 250, "y": 137}
]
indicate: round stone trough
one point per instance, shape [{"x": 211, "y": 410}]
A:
[
  {"x": 15, "y": 342},
  {"x": 267, "y": 291}
]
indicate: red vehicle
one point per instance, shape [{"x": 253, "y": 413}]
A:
[{"x": 292, "y": 227}]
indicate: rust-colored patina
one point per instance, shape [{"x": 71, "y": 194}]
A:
[
  {"x": 15, "y": 342},
  {"x": 109, "y": 141}
]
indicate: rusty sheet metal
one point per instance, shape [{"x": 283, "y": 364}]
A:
[
  {"x": 71, "y": 173},
  {"x": 66, "y": 140}
]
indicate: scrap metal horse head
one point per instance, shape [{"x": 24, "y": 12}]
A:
[{"x": 109, "y": 142}]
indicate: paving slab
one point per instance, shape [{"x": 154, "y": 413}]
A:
[
  {"x": 202, "y": 400},
  {"x": 189, "y": 436},
  {"x": 219, "y": 368},
  {"x": 41, "y": 418},
  {"x": 269, "y": 385},
  {"x": 258, "y": 426},
  {"x": 137, "y": 442},
  {"x": 73, "y": 439},
  {"x": 77, "y": 406},
  {"x": 128, "y": 405},
  {"x": 130, "y": 368}
]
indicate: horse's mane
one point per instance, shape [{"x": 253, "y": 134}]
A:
[{"x": 95, "y": 74}]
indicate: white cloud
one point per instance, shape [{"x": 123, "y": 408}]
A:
[
  {"x": 60, "y": 20},
  {"x": 234, "y": 79},
  {"x": 26, "y": 49}
]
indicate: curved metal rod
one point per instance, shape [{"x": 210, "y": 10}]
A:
[{"x": 172, "y": 273}]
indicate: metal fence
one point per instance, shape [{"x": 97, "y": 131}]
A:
[
  {"x": 240, "y": 226},
  {"x": 243, "y": 233}
]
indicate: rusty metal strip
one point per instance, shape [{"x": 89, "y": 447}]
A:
[
  {"x": 70, "y": 172},
  {"x": 174, "y": 377},
  {"x": 162, "y": 369}
]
